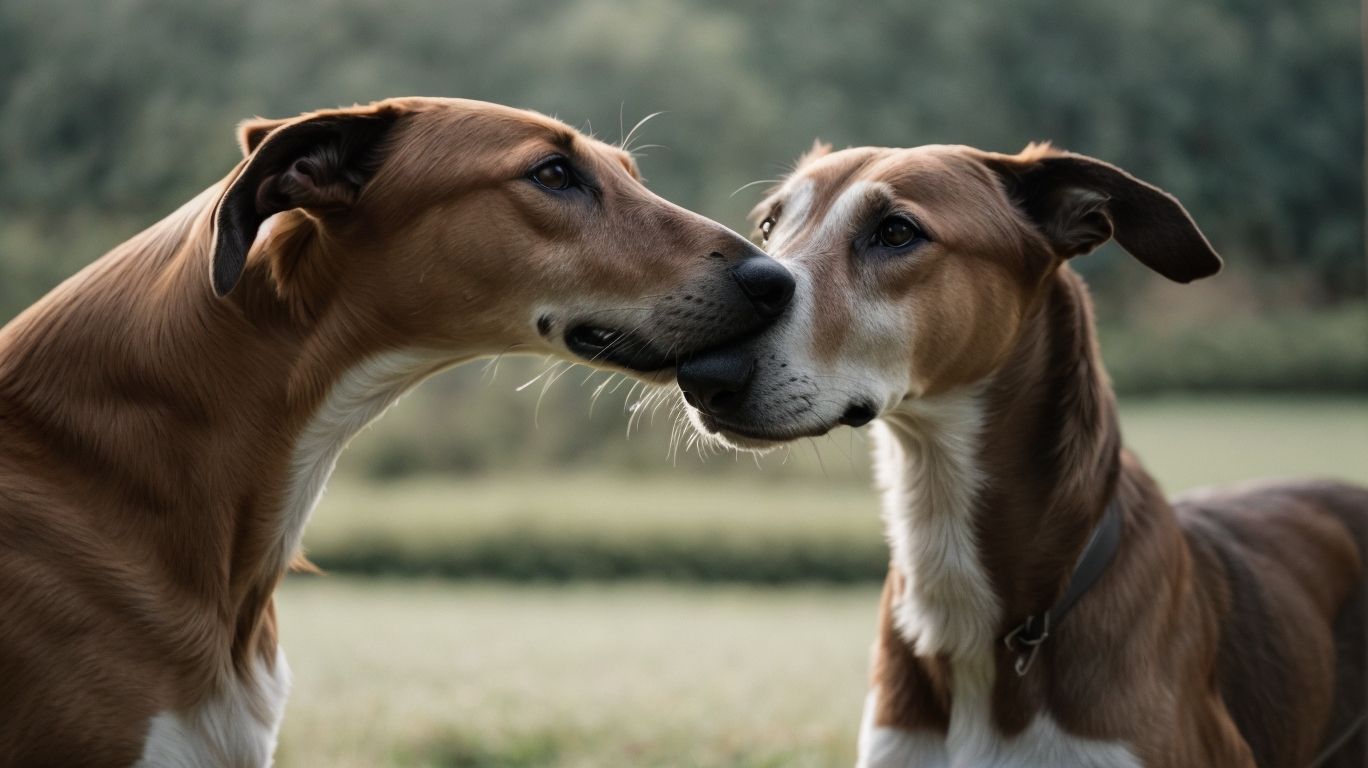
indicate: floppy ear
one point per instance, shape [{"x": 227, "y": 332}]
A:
[
  {"x": 251, "y": 132},
  {"x": 1079, "y": 203},
  {"x": 318, "y": 162}
]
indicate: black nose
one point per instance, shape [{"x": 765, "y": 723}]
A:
[
  {"x": 766, "y": 282},
  {"x": 716, "y": 384}
]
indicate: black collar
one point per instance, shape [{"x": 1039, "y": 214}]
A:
[{"x": 1026, "y": 639}]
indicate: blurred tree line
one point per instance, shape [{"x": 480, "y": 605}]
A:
[{"x": 1250, "y": 111}]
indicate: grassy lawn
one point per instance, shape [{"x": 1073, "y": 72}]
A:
[
  {"x": 418, "y": 673},
  {"x": 1189, "y": 442},
  {"x": 756, "y": 525},
  {"x": 471, "y": 674}
]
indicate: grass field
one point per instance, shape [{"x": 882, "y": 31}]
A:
[
  {"x": 753, "y": 525},
  {"x": 417, "y": 672}
]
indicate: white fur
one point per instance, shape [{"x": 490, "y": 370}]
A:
[
  {"x": 237, "y": 725},
  {"x": 973, "y": 742},
  {"x": 928, "y": 468},
  {"x": 356, "y": 399},
  {"x": 884, "y": 747},
  {"x": 927, "y": 451},
  {"x": 234, "y": 728},
  {"x": 849, "y": 209},
  {"x": 927, "y": 463}
]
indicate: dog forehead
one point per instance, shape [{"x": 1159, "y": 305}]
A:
[
  {"x": 933, "y": 174},
  {"x": 934, "y": 170},
  {"x": 509, "y": 127},
  {"x": 823, "y": 186},
  {"x": 825, "y": 174}
]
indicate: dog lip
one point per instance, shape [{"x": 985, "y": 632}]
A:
[
  {"x": 609, "y": 346},
  {"x": 729, "y": 429},
  {"x": 589, "y": 337}
]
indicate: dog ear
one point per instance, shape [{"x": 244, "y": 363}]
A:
[
  {"x": 318, "y": 162},
  {"x": 1079, "y": 203},
  {"x": 251, "y": 132}
]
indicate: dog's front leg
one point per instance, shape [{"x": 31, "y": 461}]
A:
[
  {"x": 891, "y": 746},
  {"x": 905, "y": 719}
]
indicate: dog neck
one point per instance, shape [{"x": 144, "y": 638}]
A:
[
  {"x": 205, "y": 427},
  {"x": 990, "y": 492}
]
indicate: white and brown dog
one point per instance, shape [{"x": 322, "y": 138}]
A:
[
  {"x": 168, "y": 417},
  {"x": 1224, "y": 629}
]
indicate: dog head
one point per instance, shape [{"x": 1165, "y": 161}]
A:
[
  {"x": 915, "y": 270},
  {"x": 460, "y": 225}
]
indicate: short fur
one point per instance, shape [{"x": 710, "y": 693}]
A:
[
  {"x": 1229, "y": 628},
  {"x": 169, "y": 416}
]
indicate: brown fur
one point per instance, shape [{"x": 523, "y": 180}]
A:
[
  {"x": 1228, "y": 630},
  {"x": 1157, "y": 655},
  {"x": 147, "y": 426}
]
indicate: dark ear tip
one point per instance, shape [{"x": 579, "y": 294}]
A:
[
  {"x": 225, "y": 264},
  {"x": 223, "y": 284},
  {"x": 1207, "y": 266}
]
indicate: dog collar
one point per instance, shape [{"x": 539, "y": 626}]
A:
[{"x": 1026, "y": 639}]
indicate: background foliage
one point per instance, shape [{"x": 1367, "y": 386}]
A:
[
  {"x": 1250, "y": 111},
  {"x": 113, "y": 112}
]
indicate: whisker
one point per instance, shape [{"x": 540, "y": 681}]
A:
[
  {"x": 493, "y": 363},
  {"x": 750, "y": 184},
  {"x": 551, "y": 365},
  {"x": 627, "y": 142},
  {"x": 546, "y": 386},
  {"x": 598, "y": 390},
  {"x": 818, "y": 453}
]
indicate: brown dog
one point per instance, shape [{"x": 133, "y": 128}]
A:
[
  {"x": 1226, "y": 629},
  {"x": 168, "y": 417}
]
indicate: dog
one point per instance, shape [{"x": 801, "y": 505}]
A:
[
  {"x": 169, "y": 415},
  {"x": 1045, "y": 605}
]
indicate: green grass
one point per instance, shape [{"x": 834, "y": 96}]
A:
[
  {"x": 1190, "y": 442},
  {"x": 755, "y": 526},
  {"x": 416, "y": 673},
  {"x": 598, "y": 527}
]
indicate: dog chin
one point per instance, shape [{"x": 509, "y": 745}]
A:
[{"x": 748, "y": 437}]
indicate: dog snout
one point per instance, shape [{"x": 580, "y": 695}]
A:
[
  {"x": 767, "y": 284},
  {"x": 716, "y": 384}
]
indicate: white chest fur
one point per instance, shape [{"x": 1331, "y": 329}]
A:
[
  {"x": 974, "y": 742},
  {"x": 927, "y": 463},
  {"x": 234, "y": 728},
  {"x": 356, "y": 399}
]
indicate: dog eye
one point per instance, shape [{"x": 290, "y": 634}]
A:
[
  {"x": 897, "y": 232},
  {"x": 553, "y": 174},
  {"x": 766, "y": 227}
]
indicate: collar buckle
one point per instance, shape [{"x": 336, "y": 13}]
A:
[{"x": 1025, "y": 641}]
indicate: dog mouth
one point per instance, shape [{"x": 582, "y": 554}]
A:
[
  {"x": 753, "y": 437},
  {"x": 609, "y": 346},
  {"x": 762, "y": 438},
  {"x": 601, "y": 345}
]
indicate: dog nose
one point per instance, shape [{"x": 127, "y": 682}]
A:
[
  {"x": 716, "y": 384},
  {"x": 766, "y": 282}
]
